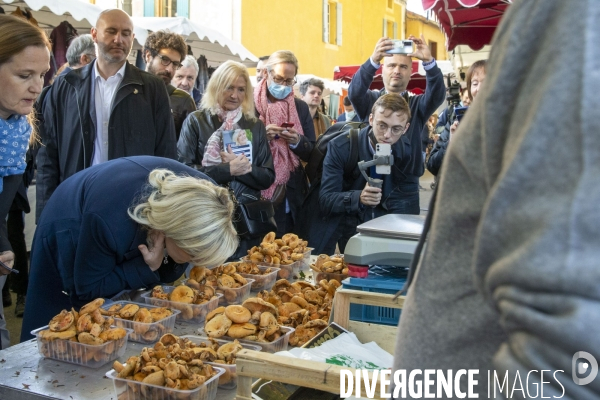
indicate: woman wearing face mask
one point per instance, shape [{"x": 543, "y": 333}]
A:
[
  {"x": 475, "y": 78},
  {"x": 279, "y": 109}
]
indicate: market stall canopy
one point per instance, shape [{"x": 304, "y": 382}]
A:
[
  {"x": 470, "y": 22},
  {"x": 417, "y": 83},
  {"x": 82, "y": 16}
]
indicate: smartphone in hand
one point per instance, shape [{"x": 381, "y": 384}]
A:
[{"x": 287, "y": 125}]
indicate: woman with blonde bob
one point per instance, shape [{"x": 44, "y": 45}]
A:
[
  {"x": 129, "y": 223},
  {"x": 228, "y": 106}
]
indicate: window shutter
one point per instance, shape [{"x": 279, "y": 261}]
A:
[
  {"x": 183, "y": 8},
  {"x": 339, "y": 24},
  {"x": 384, "y": 28},
  {"x": 325, "y": 21},
  {"x": 148, "y": 8},
  {"x": 395, "y": 30}
]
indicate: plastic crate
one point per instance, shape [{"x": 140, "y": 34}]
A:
[
  {"x": 379, "y": 283},
  {"x": 192, "y": 313}
]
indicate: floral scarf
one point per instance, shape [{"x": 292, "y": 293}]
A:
[
  {"x": 278, "y": 112},
  {"x": 212, "y": 151},
  {"x": 14, "y": 141}
]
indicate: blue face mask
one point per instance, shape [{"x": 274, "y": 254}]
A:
[
  {"x": 350, "y": 115},
  {"x": 279, "y": 91}
]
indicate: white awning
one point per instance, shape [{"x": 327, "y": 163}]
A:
[{"x": 82, "y": 16}]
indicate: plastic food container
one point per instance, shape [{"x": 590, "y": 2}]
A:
[
  {"x": 146, "y": 333},
  {"x": 285, "y": 271},
  {"x": 229, "y": 379},
  {"x": 263, "y": 282},
  {"x": 235, "y": 295},
  {"x": 126, "y": 389},
  {"x": 280, "y": 344},
  {"x": 192, "y": 313},
  {"x": 327, "y": 276},
  {"x": 306, "y": 259},
  {"x": 86, "y": 355}
]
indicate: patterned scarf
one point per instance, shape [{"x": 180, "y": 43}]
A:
[
  {"x": 212, "y": 152},
  {"x": 284, "y": 160},
  {"x": 14, "y": 141}
]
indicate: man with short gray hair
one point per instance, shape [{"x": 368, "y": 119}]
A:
[
  {"x": 81, "y": 51},
  {"x": 311, "y": 91},
  {"x": 186, "y": 75}
]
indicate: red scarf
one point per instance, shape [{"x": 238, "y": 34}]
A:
[{"x": 278, "y": 112}]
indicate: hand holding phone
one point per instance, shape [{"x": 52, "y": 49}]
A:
[{"x": 287, "y": 125}]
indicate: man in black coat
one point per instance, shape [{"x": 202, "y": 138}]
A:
[{"x": 106, "y": 110}]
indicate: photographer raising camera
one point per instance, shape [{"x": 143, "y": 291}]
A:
[{"x": 450, "y": 118}]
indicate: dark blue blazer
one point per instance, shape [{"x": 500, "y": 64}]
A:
[
  {"x": 342, "y": 117},
  {"x": 86, "y": 246}
]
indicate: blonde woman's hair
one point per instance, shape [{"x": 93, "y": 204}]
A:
[
  {"x": 223, "y": 77},
  {"x": 194, "y": 213},
  {"x": 282, "y": 56}
]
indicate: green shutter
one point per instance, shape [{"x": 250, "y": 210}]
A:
[
  {"x": 148, "y": 8},
  {"x": 183, "y": 8}
]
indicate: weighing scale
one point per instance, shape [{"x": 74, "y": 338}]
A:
[{"x": 388, "y": 240}]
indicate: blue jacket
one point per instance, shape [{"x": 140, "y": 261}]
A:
[
  {"x": 340, "y": 195},
  {"x": 421, "y": 108},
  {"x": 86, "y": 245}
]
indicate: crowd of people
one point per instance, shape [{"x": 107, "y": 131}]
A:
[
  {"x": 135, "y": 179},
  {"x": 100, "y": 109}
]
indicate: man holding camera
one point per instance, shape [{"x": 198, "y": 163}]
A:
[
  {"x": 396, "y": 72},
  {"x": 351, "y": 199}
]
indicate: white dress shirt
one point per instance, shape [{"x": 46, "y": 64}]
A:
[{"x": 104, "y": 94}]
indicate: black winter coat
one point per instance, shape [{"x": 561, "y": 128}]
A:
[
  {"x": 140, "y": 124},
  {"x": 196, "y": 131}
]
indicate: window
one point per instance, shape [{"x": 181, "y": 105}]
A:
[
  {"x": 390, "y": 29},
  {"x": 332, "y": 22},
  {"x": 165, "y": 8},
  {"x": 433, "y": 48},
  {"x": 390, "y": 3}
]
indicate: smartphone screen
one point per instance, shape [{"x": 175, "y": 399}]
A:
[
  {"x": 382, "y": 149},
  {"x": 287, "y": 125}
]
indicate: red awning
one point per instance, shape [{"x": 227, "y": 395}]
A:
[
  {"x": 416, "y": 85},
  {"x": 470, "y": 22}
]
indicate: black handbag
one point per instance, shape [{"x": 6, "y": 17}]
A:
[{"x": 253, "y": 217}]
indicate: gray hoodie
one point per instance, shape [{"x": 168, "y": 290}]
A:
[{"x": 510, "y": 279}]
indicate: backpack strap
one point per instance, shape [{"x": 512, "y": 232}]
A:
[{"x": 353, "y": 156}]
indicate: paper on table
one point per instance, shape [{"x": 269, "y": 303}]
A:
[{"x": 346, "y": 350}]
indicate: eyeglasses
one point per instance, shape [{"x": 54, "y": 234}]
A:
[
  {"x": 166, "y": 61},
  {"x": 281, "y": 81},
  {"x": 396, "y": 130}
]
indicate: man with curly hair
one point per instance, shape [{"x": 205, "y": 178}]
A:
[{"x": 163, "y": 52}]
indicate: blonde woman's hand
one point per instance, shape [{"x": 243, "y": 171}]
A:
[
  {"x": 154, "y": 255},
  {"x": 240, "y": 166}
]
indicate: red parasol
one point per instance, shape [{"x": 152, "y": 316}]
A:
[{"x": 470, "y": 22}]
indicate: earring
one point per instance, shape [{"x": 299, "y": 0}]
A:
[{"x": 166, "y": 259}]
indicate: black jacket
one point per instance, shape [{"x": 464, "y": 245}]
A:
[
  {"x": 196, "y": 131},
  {"x": 140, "y": 124},
  {"x": 434, "y": 163},
  {"x": 182, "y": 105}
]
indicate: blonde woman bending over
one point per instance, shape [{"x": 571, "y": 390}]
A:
[{"x": 129, "y": 223}]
